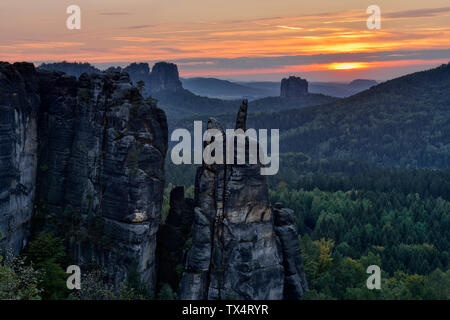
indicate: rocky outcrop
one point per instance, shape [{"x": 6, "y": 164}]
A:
[
  {"x": 139, "y": 72},
  {"x": 165, "y": 77},
  {"x": 104, "y": 146},
  {"x": 236, "y": 252},
  {"x": 295, "y": 282},
  {"x": 19, "y": 107},
  {"x": 173, "y": 236},
  {"x": 71, "y": 68},
  {"x": 85, "y": 159},
  {"x": 293, "y": 87},
  {"x": 99, "y": 147}
]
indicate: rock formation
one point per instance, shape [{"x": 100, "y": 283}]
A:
[
  {"x": 293, "y": 87},
  {"x": 237, "y": 249},
  {"x": 99, "y": 148},
  {"x": 165, "y": 77},
  {"x": 85, "y": 159},
  {"x": 19, "y": 110},
  {"x": 295, "y": 282},
  {"x": 172, "y": 237}
]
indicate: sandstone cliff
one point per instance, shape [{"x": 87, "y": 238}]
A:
[
  {"x": 165, "y": 77},
  {"x": 99, "y": 150},
  {"x": 19, "y": 111},
  {"x": 84, "y": 158},
  {"x": 238, "y": 247}
]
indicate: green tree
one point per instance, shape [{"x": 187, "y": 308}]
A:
[
  {"x": 47, "y": 253},
  {"x": 18, "y": 281}
]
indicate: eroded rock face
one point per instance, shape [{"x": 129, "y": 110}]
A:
[
  {"x": 99, "y": 147},
  {"x": 172, "y": 237},
  {"x": 236, "y": 253},
  {"x": 293, "y": 87},
  {"x": 295, "y": 283},
  {"x": 19, "y": 107},
  {"x": 104, "y": 147},
  {"x": 165, "y": 77}
]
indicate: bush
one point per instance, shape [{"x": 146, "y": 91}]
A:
[{"x": 18, "y": 281}]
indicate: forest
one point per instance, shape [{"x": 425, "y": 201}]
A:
[{"x": 351, "y": 214}]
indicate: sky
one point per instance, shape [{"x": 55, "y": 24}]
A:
[{"x": 247, "y": 40}]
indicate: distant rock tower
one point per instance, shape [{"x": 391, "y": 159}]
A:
[
  {"x": 293, "y": 87},
  {"x": 164, "y": 77}
]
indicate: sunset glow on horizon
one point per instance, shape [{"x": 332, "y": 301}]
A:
[
  {"x": 321, "y": 41},
  {"x": 348, "y": 65}
]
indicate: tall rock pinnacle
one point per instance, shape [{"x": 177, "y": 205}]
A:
[{"x": 238, "y": 251}]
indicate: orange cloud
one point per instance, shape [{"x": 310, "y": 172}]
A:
[
  {"x": 343, "y": 32},
  {"x": 336, "y": 66}
]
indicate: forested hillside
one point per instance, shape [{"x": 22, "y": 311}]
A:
[
  {"x": 405, "y": 121},
  {"x": 368, "y": 179},
  {"x": 353, "y": 214},
  {"x": 183, "y": 104}
]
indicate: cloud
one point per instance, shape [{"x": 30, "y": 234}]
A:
[
  {"x": 134, "y": 39},
  {"x": 286, "y": 61},
  {"x": 288, "y": 27},
  {"x": 173, "y": 50},
  {"x": 117, "y": 13},
  {"x": 418, "y": 13},
  {"x": 142, "y": 26},
  {"x": 43, "y": 45}
]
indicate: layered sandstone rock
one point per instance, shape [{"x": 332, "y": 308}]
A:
[
  {"x": 293, "y": 87},
  {"x": 295, "y": 283},
  {"x": 19, "y": 108},
  {"x": 85, "y": 158},
  {"x": 104, "y": 147},
  {"x": 173, "y": 236},
  {"x": 99, "y": 147},
  {"x": 236, "y": 252},
  {"x": 165, "y": 77}
]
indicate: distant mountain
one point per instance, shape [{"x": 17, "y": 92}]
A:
[
  {"x": 223, "y": 89},
  {"x": 404, "y": 121},
  {"x": 163, "y": 83},
  {"x": 179, "y": 102},
  {"x": 341, "y": 90},
  {"x": 183, "y": 104},
  {"x": 230, "y": 90},
  {"x": 362, "y": 84}
]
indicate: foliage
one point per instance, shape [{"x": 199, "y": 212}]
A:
[
  {"x": 399, "y": 122},
  {"x": 166, "y": 293},
  {"x": 96, "y": 286},
  {"x": 47, "y": 253},
  {"x": 18, "y": 281},
  {"x": 345, "y": 278}
]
